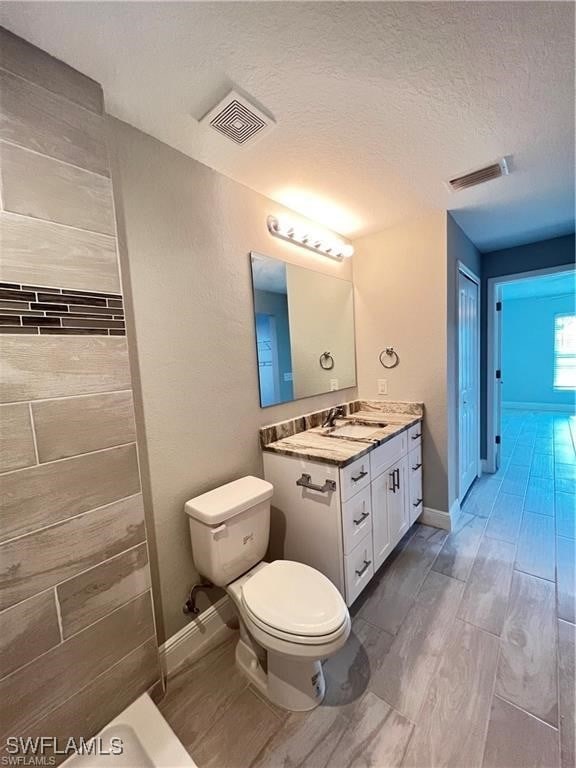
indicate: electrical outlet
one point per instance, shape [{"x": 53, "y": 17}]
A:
[
  {"x": 333, "y": 384},
  {"x": 382, "y": 386}
]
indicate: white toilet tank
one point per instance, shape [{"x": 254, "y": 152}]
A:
[{"x": 229, "y": 528}]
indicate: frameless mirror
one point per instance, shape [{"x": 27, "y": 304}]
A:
[{"x": 304, "y": 324}]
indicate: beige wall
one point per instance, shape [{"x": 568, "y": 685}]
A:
[
  {"x": 78, "y": 640},
  {"x": 321, "y": 319},
  {"x": 188, "y": 232},
  {"x": 400, "y": 281}
]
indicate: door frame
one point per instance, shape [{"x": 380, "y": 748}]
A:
[
  {"x": 467, "y": 272},
  {"x": 493, "y": 346}
]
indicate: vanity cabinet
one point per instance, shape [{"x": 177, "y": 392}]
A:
[{"x": 346, "y": 521}]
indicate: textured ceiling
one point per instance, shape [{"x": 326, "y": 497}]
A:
[
  {"x": 376, "y": 104},
  {"x": 558, "y": 284}
]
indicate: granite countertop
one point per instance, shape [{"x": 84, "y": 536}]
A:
[{"x": 316, "y": 444}]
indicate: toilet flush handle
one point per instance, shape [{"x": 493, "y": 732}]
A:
[{"x": 219, "y": 529}]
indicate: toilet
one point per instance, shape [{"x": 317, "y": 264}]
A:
[{"x": 291, "y": 616}]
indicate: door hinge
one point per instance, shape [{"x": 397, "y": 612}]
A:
[
  {"x": 497, "y": 439},
  {"x": 498, "y": 306},
  {"x": 498, "y": 373}
]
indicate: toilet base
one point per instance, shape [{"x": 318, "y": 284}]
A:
[{"x": 297, "y": 686}]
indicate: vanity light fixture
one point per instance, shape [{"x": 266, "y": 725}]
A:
[{"x": 326, "y": 244}]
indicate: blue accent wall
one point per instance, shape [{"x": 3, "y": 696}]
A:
[
  {"x": 528, "y": 350},
  {"x": 556, "y": 252}
]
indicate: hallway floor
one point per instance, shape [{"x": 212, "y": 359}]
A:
[{"x": 462, "y": 649}]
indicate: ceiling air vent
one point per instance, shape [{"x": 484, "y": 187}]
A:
[
  {"x": 237, "y": 119},
  {"x": 493, "y": 171}
]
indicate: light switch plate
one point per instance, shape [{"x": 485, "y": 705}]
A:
[
  {"x": 382, "y": 386},
  {"x": 333, "y": 384}
]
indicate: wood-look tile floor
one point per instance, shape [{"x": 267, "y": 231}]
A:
[{"x": 462, "y": 648}]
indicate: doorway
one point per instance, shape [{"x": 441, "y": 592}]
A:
[
  {"x": 531, "y": 349},
  {"x": 468, "y": 379},
  {"x": 268, "y": 372}
]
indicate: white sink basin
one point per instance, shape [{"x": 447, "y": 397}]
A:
[{"x": 354, "y": 431}]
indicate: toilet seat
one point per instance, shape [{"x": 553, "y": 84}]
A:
[{"x": 294, "y": 602}]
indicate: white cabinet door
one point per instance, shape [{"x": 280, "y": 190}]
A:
[
  {"x": 380, "y": 523},
  {"x": 358, "y": 568},
  {"x": 398, "y": 496},
  {"x": 415, "y": 482},
  {"x": 356, "y": 519},
  {"x": 415, "y": 495},
  {"x": 355, "y": 477}
]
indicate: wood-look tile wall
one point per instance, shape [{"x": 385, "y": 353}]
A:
[{"x": 77, "y": 642}]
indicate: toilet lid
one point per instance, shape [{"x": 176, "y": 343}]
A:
[{"x": 294, "y": 598}]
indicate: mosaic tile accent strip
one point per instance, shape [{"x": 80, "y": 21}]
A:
[{"x": 33, "y": 309}]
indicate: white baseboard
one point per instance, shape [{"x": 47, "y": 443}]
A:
[
  {"x": 206, "y": 631},
  {"x": 566, "y": 408},
  {"x": 438, "y": 518}
]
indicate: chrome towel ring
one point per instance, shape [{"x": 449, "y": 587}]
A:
[
  {"x": 326, "y": 361},
  {"x": 390, "y": 353}
]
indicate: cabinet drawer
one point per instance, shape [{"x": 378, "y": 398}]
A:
[
  {"x": 416, "y": 503},
  {"x": 387, "y": 454},
  {"x": 356, "y": 519},
  {"x": 358, "y": 569},
  {"x": 415, "y": 435},
  {"x": 415, "y": 458},
  {"x": 355, "y": 477}
]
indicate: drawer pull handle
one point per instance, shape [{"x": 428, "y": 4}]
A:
[
  {"x": 417, "y": 435},
  {"x": 363, "y": 517},
  {"x": 362, "y": 571},
  {"x": 306, "y": 482},
  {"x": 417, "y": 503},
  {"x": 417, "y": 467},
  {"x": 359, "y": 476}
]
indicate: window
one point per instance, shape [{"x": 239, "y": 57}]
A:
[{"x": 565, "y": 352}]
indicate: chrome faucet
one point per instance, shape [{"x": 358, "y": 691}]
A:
[{"x": 333, "y": 414}]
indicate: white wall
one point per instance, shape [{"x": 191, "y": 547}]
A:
[
  {"x": 400, "y": 281},
  {"x": 187, "y": 232}
]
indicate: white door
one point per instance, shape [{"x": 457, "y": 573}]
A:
[{"x": 468, "y": 382}]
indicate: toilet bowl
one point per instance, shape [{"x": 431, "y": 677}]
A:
[
  {"x": 291, "y": 616},
  {"x": 298, "y": 617}
]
